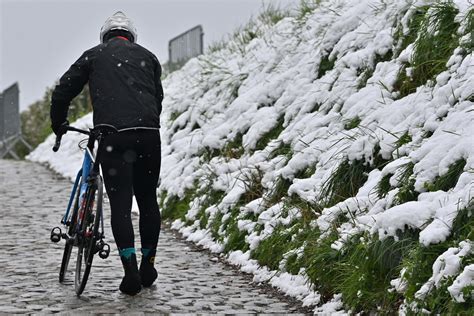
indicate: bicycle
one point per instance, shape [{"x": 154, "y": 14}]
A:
[{"x": 84, "y": 225}]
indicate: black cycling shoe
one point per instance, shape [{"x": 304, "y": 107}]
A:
[
  {"x": 148, "y": 272},
  {"x": 131, "y": 282}
]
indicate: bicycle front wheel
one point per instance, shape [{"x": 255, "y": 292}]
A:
[{"x": 89, "y": 233}]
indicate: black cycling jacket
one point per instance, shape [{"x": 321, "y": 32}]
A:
[{"x": 124, "y": 82}]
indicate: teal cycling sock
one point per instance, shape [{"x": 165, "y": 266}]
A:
[
  {"x": 145, "y": 251},
  {"x": 148, "y": 272},
  {"x": 127, "y": 252}
]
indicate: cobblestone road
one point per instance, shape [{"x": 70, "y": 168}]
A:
[{"x": 32, "y": 200}]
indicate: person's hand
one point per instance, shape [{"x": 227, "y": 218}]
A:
[{"x": 61, "y": 128}]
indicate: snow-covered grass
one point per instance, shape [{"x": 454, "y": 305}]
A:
[{"x": 331, "y": 153}]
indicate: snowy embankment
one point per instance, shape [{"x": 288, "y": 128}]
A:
[{"x": 310, "y": 153}]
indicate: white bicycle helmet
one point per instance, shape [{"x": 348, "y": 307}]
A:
[{"x": 118, "y": 21}]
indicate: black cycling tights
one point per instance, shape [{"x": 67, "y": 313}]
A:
[{"x": 131, "y": 166}]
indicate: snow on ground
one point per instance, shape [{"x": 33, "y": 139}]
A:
[{"x": 248, "y": 90}]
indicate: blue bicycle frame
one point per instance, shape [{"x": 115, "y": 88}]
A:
[{"x": 82, "y": 174}]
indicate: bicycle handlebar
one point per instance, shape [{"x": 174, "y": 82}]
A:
[{"x": 57, "y": 143}]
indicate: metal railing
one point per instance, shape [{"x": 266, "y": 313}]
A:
[{"x": 185, "y": 46}]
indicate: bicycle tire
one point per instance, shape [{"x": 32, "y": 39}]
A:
[
  {"x": 69, "y": 244},
  {"x": 89, "y": 234}
]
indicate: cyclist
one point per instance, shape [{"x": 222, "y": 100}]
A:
[{"x": 126, "y": 91}]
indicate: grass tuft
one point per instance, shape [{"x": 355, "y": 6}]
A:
[
  {"x": 235, "y": 237},
  {"x": 448, "y": 180},
  {"x": 217, "y": 46},
  {"x": 469, "y": 45},
  {"x": 309, "y": 210},
  {"x": 306, "y": 172},
  {"x": 344, "y": 182},
  {"x": 306, "y": 7},
  {"x": 353, "y": 123},
  {"x": 436, "y": 40},
  {"x": 367, "y": 266},
  {"x": 271, "y": 134},
  {"x": 212, "y": 197},
  {"x": 272, "y": 14},
  {"x": 252, "y": 181},
  {"x": 363, "y": 76},
  {"x": 383, "y": 187},
  {"x": 174, "y": 115},
  {"x": 278, "y": 191},
  {"x": 233, "y": 149},
  {"x": 282, "y": 150},
  {"x": 315, "y": 107},
  {"x": 414, "y": 24},
  {"x": 241, "y": 37},
  {"x": 406, "y": 180},
  {"x": 320, "y": 258},
  {"x": 206, "y": 153},
  {"x": 175, "y": 207},
  {"x": 463, "y": 224},
  {"x": 418, "y": 262},
  {"x": 325, "y": 65},
  {"x": 215, "y": 226},
  {"x": 403, "y": 140},
  {"x": 270, "y": 251},
  {"x": 366, "y": 73}
]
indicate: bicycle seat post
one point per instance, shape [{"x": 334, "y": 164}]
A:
[
  {"x": 99, "y": 134},
  {"x": 90, "y": 148},
  {"x": 100, "y": 139}
]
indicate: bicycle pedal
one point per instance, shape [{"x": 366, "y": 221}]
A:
[
  {"x": 105, "y": 251},
  {"x": 99, "y": 245},
  {"x": 56, "y": 234}
]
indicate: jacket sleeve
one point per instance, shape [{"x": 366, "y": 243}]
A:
[
  {"x": 159, "y": 87},
  {"x": 70, "y": 85}
]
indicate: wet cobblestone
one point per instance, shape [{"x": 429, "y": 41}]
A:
[{"x": 32, "y": 201}]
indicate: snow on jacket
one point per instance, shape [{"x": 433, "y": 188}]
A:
[{"x": 124, "y": 83}]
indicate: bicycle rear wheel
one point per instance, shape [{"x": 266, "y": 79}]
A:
[
  {"x": 69, "y": 242},
  {"x": 89, "y": 234}
]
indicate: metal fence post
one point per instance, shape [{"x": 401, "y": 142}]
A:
[{"x": 10, "y": 129}]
